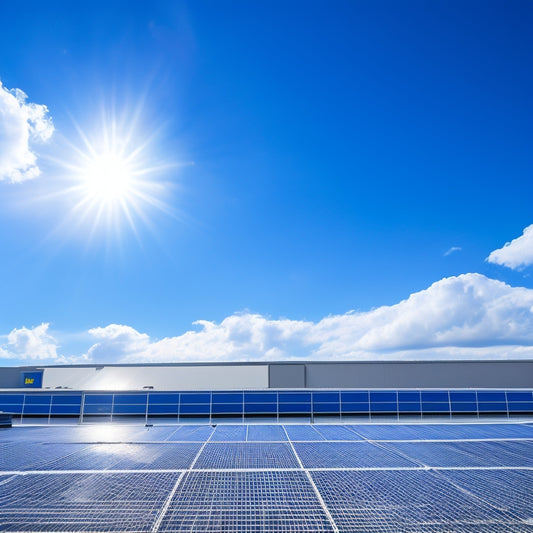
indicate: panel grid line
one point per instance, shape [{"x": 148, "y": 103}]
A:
[
  {"x": 315, "y": 488},
  {"x": 164, "y": 509}
]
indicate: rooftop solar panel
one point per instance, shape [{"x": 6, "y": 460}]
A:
[
  {"x": 467, "y": 453},
  {"x": 266, "y": 433},
  {"x": 337, "y": 432},
  {"x": 407, "y": 477},
  {"x": 229, "y": 433},
  {"x": 245, "y": 501},
  {"x": 450, "y": 431},
  {"x": 349, "y": 455},
  {"x": 171, "y": 456},
  {"x": 191, "y": 433},
  {"x": 303, "y": 433},
  {"x": 89, "y": 433},
  {"x": 247, "y": 455},
  {"x": 507, "y": 489},
  {"x": 83, "y": 502},
  {"x": 407, "y": 501},
  {"x": 34, "y": 456}
]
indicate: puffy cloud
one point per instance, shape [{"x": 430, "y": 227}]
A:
[
  {"x": 464, "y": 317},
  {"x": 115, "y": 342},
  {"x": 21, "y": 125},
  {"x": 516, "y": 254},
  {"x": 468, "y": 316},
  {"x": 30, "y": 344}
]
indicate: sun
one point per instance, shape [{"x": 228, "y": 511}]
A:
[
  {"x": 116, "y": 178},
  {"x": 108, "y": 178}
]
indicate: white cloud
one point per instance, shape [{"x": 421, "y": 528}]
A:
[
  {"x": 30, "y": 344},
  {"x": 452, "y": 250},
  {"x": 464, "y": 317},
  {"x": 468, "y": 316},
  {"x": 516, "y": 254},
  {"x": 21, "y": 125}
]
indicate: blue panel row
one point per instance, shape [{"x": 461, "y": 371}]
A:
[{"x": 269, "y": 403}]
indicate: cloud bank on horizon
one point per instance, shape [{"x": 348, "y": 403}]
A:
[
  {"x": 467, "y": 316},
  {"x": 22, "y": 124}
]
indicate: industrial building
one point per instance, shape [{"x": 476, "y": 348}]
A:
[{"x": 425, "y": 447}]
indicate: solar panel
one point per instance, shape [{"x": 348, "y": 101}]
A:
[
  {"x": 195, "y": 433},
  {"x": 34, "y": 456},
  {"x": 229, "y": 433},
  {"x": 247, "y": 455},
  {"x": 171, "y": 456},
  {"x": 445, "y": 431},
  {"x": 349, "y": 455},
  {"x": 467, "y": 453},
  {"x": 266, "y": 433},
  {"x": 268, "y": 478},
  {"x": 336, "y": 432},
  {"x": 84, "y": 502},
  {"x": 507, "y": 489},
  {"x": 245, "y": 501},
  {"x": 408, "y": 501},
  {"x": 303, "y": 432}
]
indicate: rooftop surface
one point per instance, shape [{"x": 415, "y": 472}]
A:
[{"x": 423, "y": 477}]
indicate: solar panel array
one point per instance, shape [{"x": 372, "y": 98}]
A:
[
  {"x": 274, "y": 478},
  {"x": 276, "y": 405}
]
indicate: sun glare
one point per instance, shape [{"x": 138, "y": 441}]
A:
[
  {"x": 115, "y": 178},
  {"x": 108, "y": 178}
]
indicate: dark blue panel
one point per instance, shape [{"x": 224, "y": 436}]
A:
[
  {"x": 97, "y": 409},
  {"x": 435, "y": 407},
  {"x": 227, "y": 408},
  {"x": 11, "y": 399},
  {"x": 36, "y": 409},
  {"x": 463, "y": 396},
  {"x": 409, "y": 407},
  {"x": 492, "y": 406},
  {"x": 382, "y": 396},
  {"x": 352, "y": 407},
  {"x": 14, "y": 408},
  {"x": 65, "y": 410},
  {"x": 434, "y": 396},
  {"x": 383, "y": 407},
  {"x": 264, "y": 408},
  {"x": 129, "y": 409},
  {"x": 121, "y": 399},
  {"x": 298, "y": 408},
  {"x": 514, "y": 396},
  {"x": 325, "y": 397},
  {"x": 464, "y": 407},
  {"x": 38, "y": 399},
  {"x": 260, "y": 397},
  {"x": 195, "y": 397},
  {"x": 354, "y": 397},
  {"x": 410, "y": 396},
  {"x": 227, "y": 397},
  {"x": 515, "y": 407},
  {"x": 173, "y": 398},
  {"x": 162, "y": 409},
  {"x": 294, "y": 397},
  {"x": 192, "y": 409},
  {"x": 98, "y": 399},
  {"x": 492, "y": 396},
  {"x": 66, "y": 399},
  {"x": 327, "y": 407}
]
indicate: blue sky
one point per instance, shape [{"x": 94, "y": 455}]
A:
[{"x": 304, "y": 179}]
